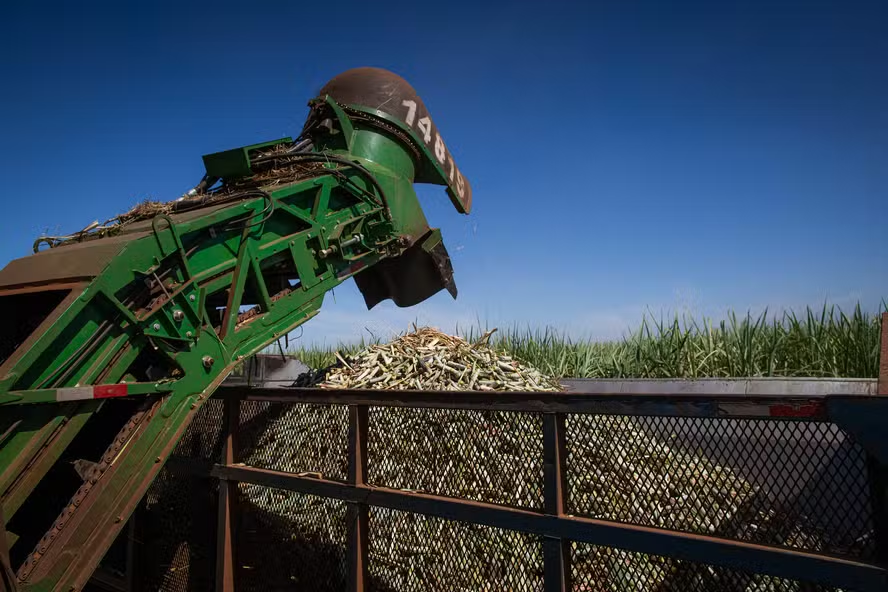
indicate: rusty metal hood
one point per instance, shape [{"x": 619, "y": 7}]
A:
[{"x": 382, "y": 91}]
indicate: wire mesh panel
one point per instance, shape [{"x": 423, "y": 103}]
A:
[
  {"x": 605, "y": 569},
  {"x": 410, "y": 552},
  {"x": 176, "y": 530},
  {"x": 796, "y": 484},
  {"x": 495, "y": 457},
  {"x": 203, "y": 436},
  {"x": 288, "y": 541},
  {"x": 295, "y": 438}
]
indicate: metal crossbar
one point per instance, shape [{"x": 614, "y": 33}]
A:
[{"x": 859, "y": 416}]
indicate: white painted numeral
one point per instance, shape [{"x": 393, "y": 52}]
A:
[
  {"x": 425, "y": 126},
  {"x": 460, "y": 188},
  {"x": 452, "y": 168},
  {"x": 411, "y": 111},
  {"x": 439, "y": 148}
]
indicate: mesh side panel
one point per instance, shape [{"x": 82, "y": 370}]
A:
[
  {"x": 289, "y": 541},
  {"x": 478, "y": 455},
  {"x": 203, "y": 436},
  {"x": 795, "y": 484},
  {"x": 604, "y": 569},
  {"x": 176, "y": 543},
  {"x": 410, "y": 552},
  {"x": 294, "y": 438}
]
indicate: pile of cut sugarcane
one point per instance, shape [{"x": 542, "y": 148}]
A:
[
  {"x": 428, "y": 359},
  {"x": 618, "y": 471}
]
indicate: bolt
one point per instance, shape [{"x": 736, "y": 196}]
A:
[
  {"x": 192, "y": 298},
  {"x": 156, "y": 326},
  {"x": 157, "y": 460},
  {"x": 178, "y": 316},
  {"x": 207, "y": 362},
  {"x": 187, "y": 333},
  {"x": 118, "y": 519}
]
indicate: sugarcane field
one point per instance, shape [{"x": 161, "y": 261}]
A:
[{"x": 465, "y": 297}]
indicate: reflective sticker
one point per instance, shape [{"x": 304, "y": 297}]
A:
[{"x": 106, "y": 391}]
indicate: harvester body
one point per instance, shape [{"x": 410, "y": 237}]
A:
[{"x": 115, "y": 336}]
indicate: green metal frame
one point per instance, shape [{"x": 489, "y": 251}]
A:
[{"x": 326, "y": 228}]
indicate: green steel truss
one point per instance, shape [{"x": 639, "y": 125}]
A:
[{"x": 153, "y": 315}]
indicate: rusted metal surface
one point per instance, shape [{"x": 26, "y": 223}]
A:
[
  {"x": 65, "y": 264},
  {"x": 769, "y": 386},
  {"x": 386, "y": 92},
  {"x": 556, "y": 552},
  {"x": 357, "y": 516},
  {"x": 52, "y": 542},
  {"x": 554, "y": 451},
  {"x": 779, "y": 562},
  {"x": 357, "y": 444},
  {"x": 41, "y": 287},
  {"x": 883, "y": 357}
]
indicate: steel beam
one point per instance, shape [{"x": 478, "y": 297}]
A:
[
  {"x": 697, "y": 405},
  {"x": 556, "y": 551},
  {"x": 269, "y": 372},
  {"x": 358, "y": 514},
  {"x": 224, "y": 542}
]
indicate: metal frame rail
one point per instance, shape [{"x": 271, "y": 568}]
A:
[{"x": 861, "y": 416}]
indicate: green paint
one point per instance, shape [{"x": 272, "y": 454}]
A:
[{"x": 203, "y": 261}]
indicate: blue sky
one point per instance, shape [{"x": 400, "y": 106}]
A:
[{"x": 624, "y": 156}]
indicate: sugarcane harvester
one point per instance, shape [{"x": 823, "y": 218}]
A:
[{"x": 113, "y": 337}]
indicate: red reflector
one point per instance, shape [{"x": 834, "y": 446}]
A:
[
  {"x": 107, "y": 391},
  {"x": 808, "y": 410}
]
